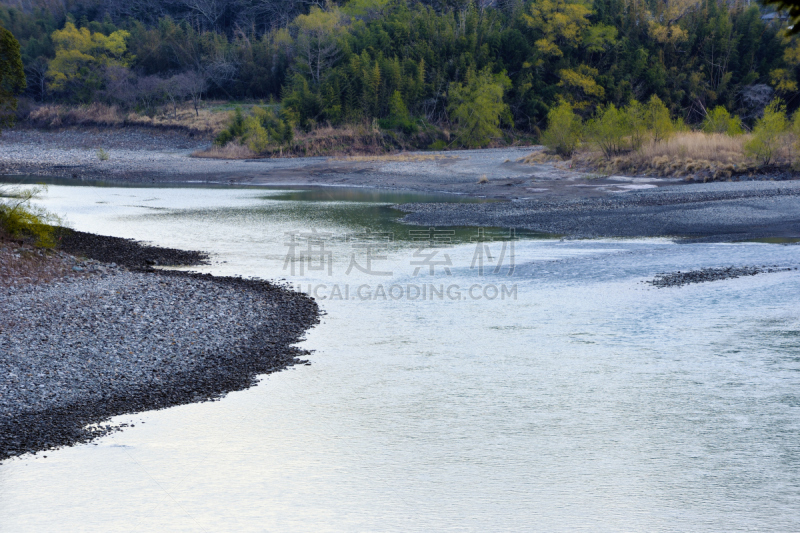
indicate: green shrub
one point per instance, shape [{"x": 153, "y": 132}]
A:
[
  {"x": 658, "y": 120},
  {"x": 102, "y": 155},
  {"x": 399, "y": 117},
  {"x": 636, "y": 123},
  {"x": 608, "y": 130},
  {"x": 258, "y": 131},
  {"x": 302, "y": 106},
  {"x": 768, "y": 134},
  {"x": 720, "y": 121},
  {"x": 234, "y": 130},
  {"x": 477, "y": 108},
  {"x": 19, "y": 218},
  {"x": 563, "y": 131}
]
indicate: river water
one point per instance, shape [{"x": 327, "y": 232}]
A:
[{"x": 566, "y": 396}]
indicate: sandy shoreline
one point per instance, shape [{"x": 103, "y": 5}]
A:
[{"x": 539, "y": 197}]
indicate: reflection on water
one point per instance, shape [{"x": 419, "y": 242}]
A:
[{"x": 589, "y": 401}]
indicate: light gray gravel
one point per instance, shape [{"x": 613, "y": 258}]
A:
[{"x": 80, "y": 339}]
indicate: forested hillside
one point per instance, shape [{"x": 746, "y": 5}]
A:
[{"x": 475, "y": 68}]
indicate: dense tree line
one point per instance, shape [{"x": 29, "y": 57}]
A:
[{"x": 473, "y": 67}]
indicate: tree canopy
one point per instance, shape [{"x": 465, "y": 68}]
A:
[{"x": 410, "y": 64}]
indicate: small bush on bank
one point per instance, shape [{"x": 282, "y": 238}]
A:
[
  {"x": 399, "y": 117},
  {"x": 768, "y": 134},
  {"x": 20, "y": 219},
  {"x": 719, "y": 120},
  {"x": 609, "y": 131},
  {"x": 635, "y": 117},
  {"x": 563, "y": 131},
  {"x": 258, "y": 131},
  {"x": 658, "y": 120}
]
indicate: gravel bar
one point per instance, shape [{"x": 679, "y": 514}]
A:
[
  {"x": 126, "y": 252},
  {"x": 679, "y": 278},
  {"x": 79, "y": 350},
  {"x": 718, "y": 212}
]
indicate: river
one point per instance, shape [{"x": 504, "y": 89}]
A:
[{"x": 462, "y": 379}]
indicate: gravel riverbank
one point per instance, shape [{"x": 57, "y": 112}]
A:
[{"x": 81, "y": 349}]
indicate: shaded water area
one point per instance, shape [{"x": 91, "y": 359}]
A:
[{"x": 552, "y": 392}]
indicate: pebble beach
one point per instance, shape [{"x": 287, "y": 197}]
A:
[{"x": 100, "y": 339}]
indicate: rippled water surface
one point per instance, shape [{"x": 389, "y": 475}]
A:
[{"x": 589, "y": 401}]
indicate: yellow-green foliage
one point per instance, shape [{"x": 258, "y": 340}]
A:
[
  {"x": 317, "y": 41},
  {"x": 563, "y": 131},
  {"x": 365, "y": 8},
  {"x": 477, "y": 107},
  {"x": 564, "y": 26},
  {"x": 719, "y": 120},
  {"x": 636, "y": 123},
  {"x": 658, "y": 120},
  {"x": 768, "y": 134},
  {"x": 609, "y": 130},
  {"x": 19, "y": 218},
  {"x": 80, "y": 52}
]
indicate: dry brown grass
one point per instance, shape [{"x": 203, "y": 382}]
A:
[
  {"x": 56, "y": 116},
  {"x": 695, "y": 155},
  {"x": 346, "y": 140},
  {"x": 207, "y": 122},
  {"x": 715, "y": 147},
  {"x": 541, "y": 156},
  {"x": 691, "y": 155}
]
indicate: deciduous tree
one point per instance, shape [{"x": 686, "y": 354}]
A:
[
  {"x": 317, "y": 42},
  {"x": 81, "y": 56},
  {"x": 477, "y": 107}
]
